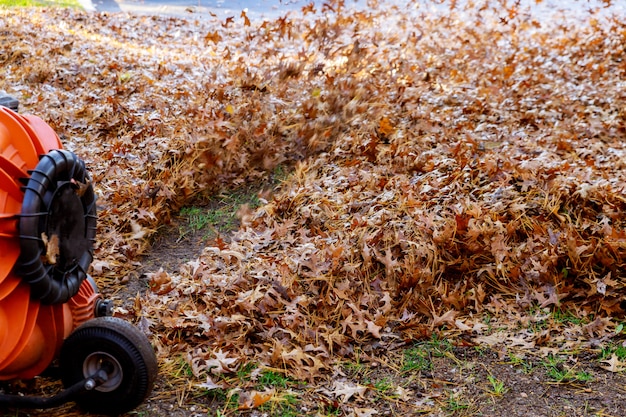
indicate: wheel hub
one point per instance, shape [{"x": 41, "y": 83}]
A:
[{"x": 103, "y": 361}]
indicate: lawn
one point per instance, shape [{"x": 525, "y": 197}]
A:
[{"x": 41, "y": 3}]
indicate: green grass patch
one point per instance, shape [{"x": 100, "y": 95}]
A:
[
  {"x": 280, "y": 174},
  {"x": 385, "y": 388},
  {"x": 183, "y": 369},
  {"x": 356, "y": 367},
  {"x": 274, "y": 380},
  {"x": 40, "y": 3},
  {"x": 218, "y": 215},
  {"x": 418, "y": 358},
  {"x": 231, "y": 401},
  {"x": 197, "y": 218},
  {"x": 440, "y": 347},
  {"x": 497, "y": 386},
  {"x": 613, "y": 348},
  {"x": 568, "y": 317},
  {"x": 282, "y": 406},
  {"x": 455, "y": 403},
  {"x": 244, "y": 373},
  {"x": 559, "y": 372},
  {"x": 516, "y": 361}
]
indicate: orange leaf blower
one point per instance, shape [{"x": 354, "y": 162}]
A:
[{"x": 50, "y": 309}]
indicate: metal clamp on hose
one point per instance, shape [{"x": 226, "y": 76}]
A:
[{"x": 8, "y": 101}]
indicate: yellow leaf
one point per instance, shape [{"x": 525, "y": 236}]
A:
[
  {"x": 385, "y": 127},
  {"x": 230, "y": 109}
]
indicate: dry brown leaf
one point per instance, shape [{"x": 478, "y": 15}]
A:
[
  {"x": 345, "y": 390},
  {"x": 613, "y": 364},
  {"x": 254, "y": 399},
  {"x": 160, "y": 282},
  {"x": 52, "y": 248}
]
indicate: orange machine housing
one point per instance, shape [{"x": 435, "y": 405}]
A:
[{"x": 31, "y": 331}]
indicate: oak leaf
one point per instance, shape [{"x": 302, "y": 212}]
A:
[
  {"x": 347, "y": 389},
  {"x": 613, "y": 364},
  {"x": 221, "y": 363}
]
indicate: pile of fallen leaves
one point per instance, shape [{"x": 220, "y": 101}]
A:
[{"x": 445, "y": 163}]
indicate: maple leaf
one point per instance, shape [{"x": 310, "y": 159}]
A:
[
  {"x": 500, "y": 248},
  {"x": 160, "y": 282},
  {"x": 386, "y": 302},
  {"x": 209, "y": 384},
  {"x": 138, "y": 232},
  {"x": 387, "y": 260},
  {"x": 309, "y": 8},
  {"x": 462, "y": 326},
  {"x": 598, "y": 327},
  {"x": 373, "y": 328},
  {"x": 98, "y": 266},
  {"x": 80, "y": 188},
  {"x": 522, "y": 340},
  {"x": 404, "y": 394},
  {"x": 307, "y": 366}
]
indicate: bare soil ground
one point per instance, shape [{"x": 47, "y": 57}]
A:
[{"x": 458, "y": 385}]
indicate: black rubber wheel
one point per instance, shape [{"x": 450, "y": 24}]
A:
[{"x": 119, "y": 348}]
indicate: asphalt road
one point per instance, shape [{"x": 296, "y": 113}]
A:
[
  {"x": 199, "y": 8},
  {"x": 259, "y": 9}
]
